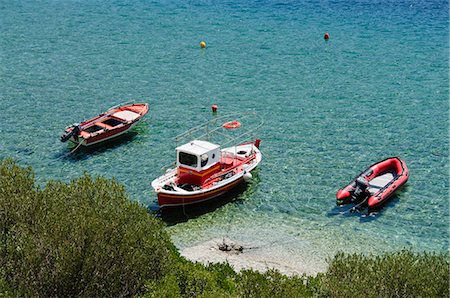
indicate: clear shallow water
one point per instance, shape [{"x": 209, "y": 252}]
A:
[{"x": 377, "y": 88}]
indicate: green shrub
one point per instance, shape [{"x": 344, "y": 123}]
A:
[
  {"x": 225, "y": 275},
  {"x": 85, "y": 238},
  {"x": 5, "y": 290},
  {"x": 189, "y": 279},
  {"x": 273, "y": 284},
  {"x": 402, "y": 274},
  {"x": 219, "y": 280}
]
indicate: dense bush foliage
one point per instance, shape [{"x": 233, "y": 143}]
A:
[
  {"x": 219, "y": 280},
  {"x": 86, "y": 238},
  {"x": 274, "y": 284},
  {"x": 189, "y": 279},
  {"x": 402, "y": 274}
]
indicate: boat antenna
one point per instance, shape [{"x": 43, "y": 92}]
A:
[{"x": 211, "y": 127}]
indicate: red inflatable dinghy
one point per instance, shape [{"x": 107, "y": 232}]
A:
[{"x": 375, "y": 185}]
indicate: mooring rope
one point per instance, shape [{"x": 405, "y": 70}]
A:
[
  {"x": 78, "y": 146},
  {"x": 354, "y": 208}
]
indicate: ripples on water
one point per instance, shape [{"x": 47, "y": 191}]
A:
[{"x": 377, "y": 88}]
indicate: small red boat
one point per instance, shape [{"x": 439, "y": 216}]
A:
[
  {"x": 113, "y": 123},
  {"x": 375, "y": 185},
  {"x": 204, "y": 171}
]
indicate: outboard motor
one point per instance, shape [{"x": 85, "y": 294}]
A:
[
  {"x": 361, "y": 191},
  {"x": 75, "y": 131}
]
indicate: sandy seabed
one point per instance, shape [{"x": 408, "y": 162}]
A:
[{"x": 257, "y": 258}]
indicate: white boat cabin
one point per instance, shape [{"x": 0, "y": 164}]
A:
[{"x": 198, "y": 155}]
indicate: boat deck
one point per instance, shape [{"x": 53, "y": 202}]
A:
[
  {"x": 126, "y": 115},
  {"x": 379, "y": 182}
]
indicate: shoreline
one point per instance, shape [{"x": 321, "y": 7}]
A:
[{"x": 242, "y": 256}]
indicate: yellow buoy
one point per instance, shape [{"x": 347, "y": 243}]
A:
[{"x": 203, "y": 44}]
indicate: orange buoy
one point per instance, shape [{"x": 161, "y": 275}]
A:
[
  {"x": 326, "y": 36},
  {"x": 203, "y": 44},
  {"x": 214, "y": 108},
  {"x": 231, "y": 124}
]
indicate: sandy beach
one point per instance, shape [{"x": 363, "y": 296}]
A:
[{"x": 245, "y": 256}]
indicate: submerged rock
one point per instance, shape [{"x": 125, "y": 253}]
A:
[{"x": 231, "y": 247}]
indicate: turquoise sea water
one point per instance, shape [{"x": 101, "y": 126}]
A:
[{"x": 377, "y": 88}]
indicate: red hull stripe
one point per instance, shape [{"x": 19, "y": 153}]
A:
[
  {"x": 108, "y": 134},
  {"x": 202, "y": 173},
  {"x": 174, "y": 200}
]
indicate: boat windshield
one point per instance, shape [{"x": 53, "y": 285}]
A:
[{"x": 187, "y": 159}]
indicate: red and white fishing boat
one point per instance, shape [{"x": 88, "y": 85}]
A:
[
  {"x": 113, "y": 123},
  {"x": 375, "y": 185},
  {"x": 204, "y": 171}
]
